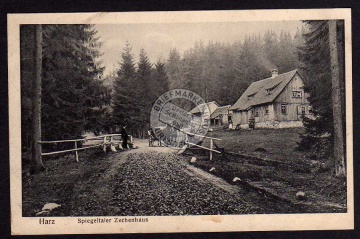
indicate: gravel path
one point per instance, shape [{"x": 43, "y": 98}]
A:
[
  {"x": 161, "y": 184},
  {"x": 155, "y": 181}
]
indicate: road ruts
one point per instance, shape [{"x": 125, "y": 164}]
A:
[{"x": 154, "y": 183}]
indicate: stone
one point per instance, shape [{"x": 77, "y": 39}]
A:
[
  {"x": 193, "y": 160},
  {"x": 236, "y": 179},
  {"x": 112, "y": 147},
  {"x": 50, "y": 206},
  {"x": 300, "y": 195}
]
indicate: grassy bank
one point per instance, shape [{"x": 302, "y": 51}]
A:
[{"x": 266, "y": 160}]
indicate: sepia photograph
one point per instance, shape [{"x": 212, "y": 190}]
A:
[{"x": 180, "y": 121}]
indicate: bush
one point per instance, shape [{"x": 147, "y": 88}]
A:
[{"x": 318, "y": 137}]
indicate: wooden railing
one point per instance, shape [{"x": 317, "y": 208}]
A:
[
  {"x": 105, "y": 140},
  {"x": 211, "y": 150}
]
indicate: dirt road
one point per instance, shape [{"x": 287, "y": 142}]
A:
[{"x": 156, "y": 181}]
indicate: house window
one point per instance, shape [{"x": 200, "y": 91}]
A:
[
  {"x": 283, "y": 108},
  {"x": 266, "y": 110},
  {"x": 256, "y": 113},
  {"x": 297, "y": 94},
  {"x": 249, "y": 97},
  {"x": 271, "y": 89},
  {"x": 303, "y": 110}
]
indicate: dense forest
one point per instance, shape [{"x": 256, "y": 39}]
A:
[{"x": 217, "y": 71}]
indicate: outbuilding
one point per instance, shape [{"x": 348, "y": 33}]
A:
[
  {"x": 198, "y": 111},
  {"x": 220, "y": 116}
]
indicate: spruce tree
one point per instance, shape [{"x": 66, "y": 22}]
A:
[
  {"x": 126, "y": 106},
  {"x": 160, "y": 79},
  {"x": 174, "y": 68},
  {"x": 71, "y": 72},
  {"x": 316, "y": 68},
  {"x": 144, "y": 82}
]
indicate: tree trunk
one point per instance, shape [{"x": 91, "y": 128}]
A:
[
  {"x": 341, "y": 57},
  {"x": 37, "y": 164},
  {"x": 339, "y": 156}
]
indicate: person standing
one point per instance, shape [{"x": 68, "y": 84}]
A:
[{"x": 124, "y": 137}]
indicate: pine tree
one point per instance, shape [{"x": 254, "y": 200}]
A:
[
  {"x": 316, "y": 67},
  {"x": 249, "y": 65},
  {"x": 126, "y": 105},
  {"x": 271, "y": 48},
  {"x": 287, "y": 53},
  {"x": 144, "y": 82},
  {"x": 71, "y": 72},
  {"x": 160, "y": 79},
  {"x": 174, "y": 68},
  {"x": 70, "y": 77}
]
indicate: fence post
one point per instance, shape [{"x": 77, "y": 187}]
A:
[
  {"x": 211, "y": 147},
  {"x": 76, "y": 152},
  {"x": 104, "y": 144}
]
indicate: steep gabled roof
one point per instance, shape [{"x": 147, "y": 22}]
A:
[
  {"x": 196, "y": 110},
  {"x": 221, "y": 110},
  {"x": 257, "y": 92}
]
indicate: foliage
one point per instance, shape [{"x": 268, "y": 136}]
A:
[
  {"x": 314, "y": 55},
  {"x": 161, "y": 79},
  {"x": 222, "y": 72},
  {"x": 72, "y": 89},
  {"x": 126, "y": 103},
  {"x": 136, "y": 89}
]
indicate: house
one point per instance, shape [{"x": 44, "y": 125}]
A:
[
  {"x": 275, "y": 102},
  {"x": 220, "y": 116},
  {"x": 199, "y": 110}
]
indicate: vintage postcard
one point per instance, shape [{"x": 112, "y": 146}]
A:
[{"x": 203, "y": 121}]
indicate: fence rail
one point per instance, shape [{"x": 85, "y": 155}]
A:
[
  {"x": 106, "y": 140},
  {"x": 210, "y": 149}
]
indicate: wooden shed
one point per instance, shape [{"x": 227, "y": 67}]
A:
[
  {"x": 275, "y": 102},
  {"x": 220, "y": 116},
  {"x": 197, "y": 111}
]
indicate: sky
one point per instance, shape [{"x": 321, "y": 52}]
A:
[{"x": 158, "y": 38}]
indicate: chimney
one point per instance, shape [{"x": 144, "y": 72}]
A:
[{"x": 274, "y": 73}]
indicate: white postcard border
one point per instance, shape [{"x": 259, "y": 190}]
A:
[{"x": 266, "y": 222}]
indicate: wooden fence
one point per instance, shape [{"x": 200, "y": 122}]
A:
[
  {"x": 211, "y": 147},
  {"x": 99, "y": 141},
  {"x": 189, "y": 144}
]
